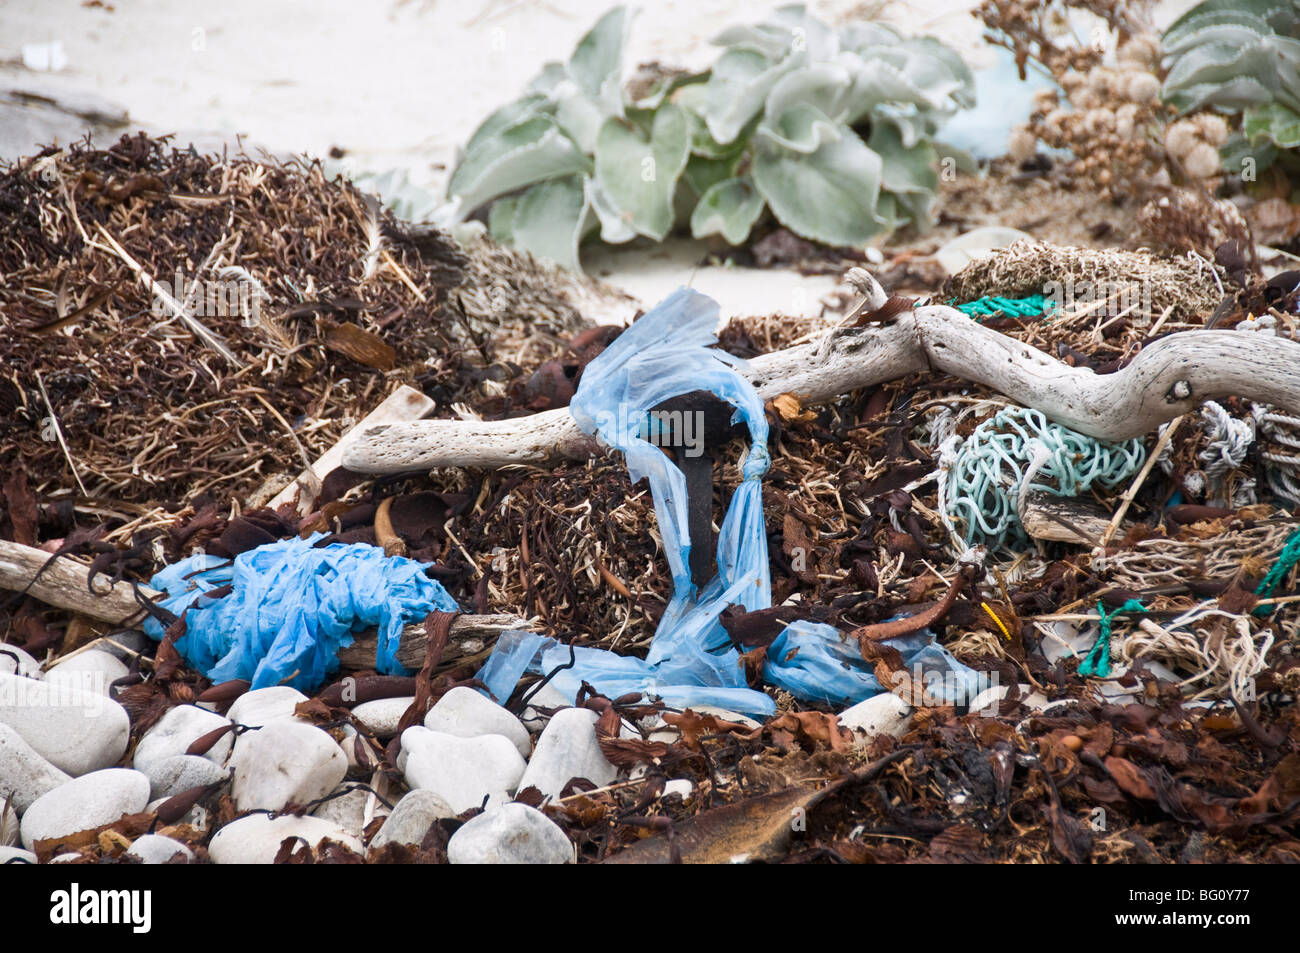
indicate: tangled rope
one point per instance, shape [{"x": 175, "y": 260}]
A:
[
  {"x": 982, "y": 481},
  {"x": 1286, "y": 561},
  {"x": 1228, "y": 441},
  {"x": 1098, "y": 661},
  {"x": 1152, "y": 563},
  {"x": 1226, "y": 656},
  {"x": 1280, "y": 453}
]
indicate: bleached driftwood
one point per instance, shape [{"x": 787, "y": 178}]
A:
[
  {"x": 63, "y": 584},
  {"x": 1168, "y": 377},
  {"x": 471, "y": 636},
  {"x": 402, "y": 405}
]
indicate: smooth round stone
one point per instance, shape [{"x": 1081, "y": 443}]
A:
[
  {"x": 466, "y": 713},
  {"x": 546, "y": 697},
  {"x": 76, "y": 731},
  {"x": 171, "y": 776},
  {"x": 382, "y": 715},
  {"x": 510, "y": 834},
  {"x": 128, "y": 645},
  {"x": 883, "y": 714},
  {"x": 256, "y": 839},
  {"x": 411, "y": 819},
  {"x": 568, "y": 749},
  {"x": 16, "y": 661},
  {"x": 263, "y": 705},
  {"x": 85, "y": 803},
  {"x": 285, "y": 761},
  {"x": 348, "y": 810},
  {"x": 157, "y": 849},
  {"x": 176, "y": 731},
  {"x": 24, "y": 774},
  {"x": 462, "y": 771},
  {"x": 15, "y": 857},
  {"x": 92, "y": 670}
]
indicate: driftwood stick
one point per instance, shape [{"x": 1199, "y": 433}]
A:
[
  {"x": 64, "y": 584},
  {"x": 470, "y": 635},
  {"x": 1171, "y": 376},
  {"x": 404, "y": 404}
]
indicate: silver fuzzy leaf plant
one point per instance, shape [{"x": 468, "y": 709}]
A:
[
  {"x": 1242, "y": 58},
  {"x": 831, "y": 130}
]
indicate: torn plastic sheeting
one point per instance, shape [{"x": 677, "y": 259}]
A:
[
  {"x": 810, "y": 660},
  {"x": 518, "y": 652},
  {"x": 292, "y": 606},
  {"x": 815, "y": 663},
  {"x": 691, "y": 660}
]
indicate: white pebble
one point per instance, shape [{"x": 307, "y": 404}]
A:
[
  {"x": 16, "y": 661},
  {"x": 883, "y": 714},
  {"x": 382, "y": 715},
  {"x": 466, "y": 713},
  {"x": 256, "y": 839},
  {"x": 511, "y": 834},
  {"x": 176, "y": 731},
  {"x": 85, "y": 803},
  {"x": 411, "y": 819},
  {"x": 171, "y": 776},
  {"x": 462, "y": 771},
  {"x": 92, "y": 670},
  {"x": 157, "y": 849},
  {"x": 76, "y": 731},
  {"x": 283, "y": 762},
  {"x": 568, "y": 748},
  {"x": 24, "y": 774},
  {"x": 264, "y": 705}
]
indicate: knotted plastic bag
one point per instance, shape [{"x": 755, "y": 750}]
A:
[{"x": 291, "y": 607}]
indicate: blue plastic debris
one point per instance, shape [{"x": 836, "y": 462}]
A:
[
  {"x": 291, "y": 607},
  {"x": 691, "y": 660},
  {"x": 814, "y": 663}
]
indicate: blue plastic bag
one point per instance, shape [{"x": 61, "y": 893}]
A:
[
  {"x": 291, "y": 607},
  {"x": 691, "y": 660},
  {"x": 815, "y": 663}
]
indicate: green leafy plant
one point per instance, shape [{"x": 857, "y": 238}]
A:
[
  {"x": 831, "y": 130},
  {"x": 1241, "y": 57}
]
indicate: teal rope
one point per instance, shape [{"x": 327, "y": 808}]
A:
[
  {"x": 1034, "y": 306},
  {"x": 1098, "y": 661},
  {"x": 1286, "y": 561},
  {"x": 985, "y": 477}
]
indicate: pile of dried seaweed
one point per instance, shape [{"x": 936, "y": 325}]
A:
[{"x": 304, "y": 305}]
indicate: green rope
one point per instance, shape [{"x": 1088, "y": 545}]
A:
[
  {"x": 1098, "y": 661},
  {"x": 1286, "y": 561},
  {"x": 1034, "y": 306},
  {"x": 984, "y": 479}
]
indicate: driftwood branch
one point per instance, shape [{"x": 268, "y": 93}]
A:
[
  {"x": 471, "y": 636},
  {"x": 64, "y": 584},
  {"x": 1171, "y": 376},
  {"x": 404, "y": 404}
]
